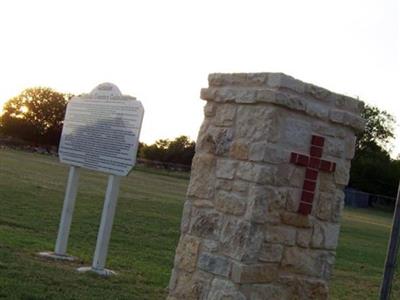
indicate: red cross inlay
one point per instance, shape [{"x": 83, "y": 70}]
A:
[{"x": 313, "y": 164}]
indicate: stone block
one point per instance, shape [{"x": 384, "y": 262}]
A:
[
  {"x": 289, "y": 175},
  {"x": 257, "y": 79},
  {"x": 265, "y": 204},
  {"x": 265, "y": 152},
  {"x": 209, "y": 246},
  {"x": 215, "y": 264},
  {"x": 240, "y": 240},
  {"x": 259, "y": 173},
  {"x": 315, "y": 263},
  {"x": 317, "y": 92},
  {"x": 214, "y": 140},
  {"x": 326, "y": 182},
  {"x": 347, "y": 119},
  {"x": 223, "y": 290},
  {"x": 342, "y": 173},
  {"x": 296, "y": 219},
  {"x": 334, "y": 147},
  {"x": 303, "y": 288},
  {"x": 246, "y": 96},
  {"x": 230, "y": 203},
  {"x": 232, "y": 79},
  {"x": 270, "y": 291},
  {"x": 257, "y": 124},
  {"x": 327, "y": 130},
  {"x": 185, "y": 222},
  {"x": 201, "y": 203},
  {"x": 255, "y": 273},
  {"x": 316, "y": 110},
  {"x": 210, "y": 109},
  {"x": 290, "y": 100},
  {"x": 266, "y": 95},
  {"x": 186, "y": 253},
  {"x": 224, "y": 185},
  {"x": 350, "y": 146},
  {"x": 239, "y": 150},
  {"x": 325, "y": 206},
  {"x": 293, "y": 199},
  {"x": 280, "y": 80},
  {"x": 240, "y": 187},
  {"x": 271, "y": 253},
  {"x": 202, "y": 186},
  {"x": 325, "y": 235},
  {"x": 349, "y": 104},
  {"x": 226, "y": 168},
  {"x": 173, "y": 279},
  {"x": 225, "y": 115},
  {"x": 208, "y": 94},
  {"x": 191, "y": 286},
  {"x": 205, "y": 223},
  {"x": 225, "y": 95},
  {"x": 257, "y": 211},
  {"x": 281, "y": 234},
  {"x": 337, "y": 205},
  {"x": 303, "y": 237},
  {"x": 294, "y": 132}
]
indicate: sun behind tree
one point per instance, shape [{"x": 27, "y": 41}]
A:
[{"x": 35, "y": 115}]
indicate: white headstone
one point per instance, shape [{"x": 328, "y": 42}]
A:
[{"x": 101, "y": 131}]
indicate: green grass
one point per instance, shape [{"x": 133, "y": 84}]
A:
[
  {"x": 361, "y": 255},
  {"x": 145, "y": 234}
]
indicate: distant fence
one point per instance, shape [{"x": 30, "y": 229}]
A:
[
  {"x": 12, "y": 143},
  {"x": 164, "y": 165},
  {"x": 355, "y": 198}
]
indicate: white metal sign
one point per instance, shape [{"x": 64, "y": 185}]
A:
[{"x": 101, "y": 132}]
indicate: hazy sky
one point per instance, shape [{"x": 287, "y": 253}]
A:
[{"x": 162, "y": 51}]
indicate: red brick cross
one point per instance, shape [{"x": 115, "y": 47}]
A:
[{"x": 313, "y": 164}]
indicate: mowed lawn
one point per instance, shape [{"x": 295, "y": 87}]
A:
[{"x": 145, "y": 234}]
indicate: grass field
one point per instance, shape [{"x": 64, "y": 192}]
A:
[{"x": 144, "y": 238}]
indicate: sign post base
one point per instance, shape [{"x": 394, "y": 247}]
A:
[
  {"x": 101, "y": 272},
  {"x": 53, "y": 255}
]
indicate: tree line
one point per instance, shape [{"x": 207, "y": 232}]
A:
[{"x": 36, "y": 116}]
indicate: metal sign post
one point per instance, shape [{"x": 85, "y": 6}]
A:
[
  {"x": 393, "y": 249},
  {"x": 60, "y": 251},
  {"x": 103, "y": 237}
]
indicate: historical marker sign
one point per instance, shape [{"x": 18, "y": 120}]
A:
[{"x": 101, "y": 132}]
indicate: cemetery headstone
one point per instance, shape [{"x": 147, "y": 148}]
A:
[
  {"x": 101, "y": 133},
  {"x": 262, "y": 214}
]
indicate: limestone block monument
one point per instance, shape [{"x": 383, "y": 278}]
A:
[{"x": 262, "y": 214}]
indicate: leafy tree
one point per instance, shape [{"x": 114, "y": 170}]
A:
[
  {"x": 35, "y": 115},
  {"x": 179, "y": 151},
  {"x": 372, "y": 169},
  {"x": 379, "y": 129}
]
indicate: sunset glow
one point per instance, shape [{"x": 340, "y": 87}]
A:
[{"x": 162, "y": 51}]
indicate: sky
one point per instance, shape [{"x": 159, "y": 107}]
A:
[{"x": 162, "y": 51}]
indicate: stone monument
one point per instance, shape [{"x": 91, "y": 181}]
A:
[
  {"x": 262, "y": 214},
  {"x": 101, "y": 133}
]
